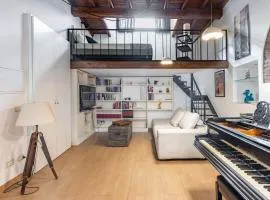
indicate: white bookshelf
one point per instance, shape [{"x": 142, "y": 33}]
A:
[{"x": 133, "y": 97}]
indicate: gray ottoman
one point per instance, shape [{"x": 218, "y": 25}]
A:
[{"x": 119, "y": 136}]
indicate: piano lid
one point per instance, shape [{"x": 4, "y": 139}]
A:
[{"x": 255, "y": 132}]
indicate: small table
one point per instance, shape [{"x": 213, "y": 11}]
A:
[{"x": 119, "y": 136}]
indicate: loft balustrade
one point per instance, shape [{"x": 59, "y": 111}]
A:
[{"x": 144, "y": 45}]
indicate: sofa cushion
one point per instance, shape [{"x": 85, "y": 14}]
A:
[
  {"x": 189, "y": 121},
  {"x": 177, "y": 116}
]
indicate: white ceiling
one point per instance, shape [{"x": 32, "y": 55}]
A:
[{"x": 138, "y": 72}]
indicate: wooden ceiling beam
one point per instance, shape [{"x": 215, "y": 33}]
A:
[
  {"x": 148, "y": 65},
  {"x": 191, "y": 13},
  {"x": 184, "y": 4}
]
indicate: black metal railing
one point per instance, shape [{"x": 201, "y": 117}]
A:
[{"x": 144, "y": 44}]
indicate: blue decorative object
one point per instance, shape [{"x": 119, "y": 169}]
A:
[{"x": 248, "y": 96}]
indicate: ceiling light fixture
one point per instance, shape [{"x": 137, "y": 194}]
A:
[
  {"x": 166, "y": 61},
  {"x": 212, "y": 32}
]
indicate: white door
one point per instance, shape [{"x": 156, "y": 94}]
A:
[{"x": 51, "y": 83}]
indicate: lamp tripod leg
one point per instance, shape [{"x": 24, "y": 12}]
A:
[
  {"x": 30, "y": 159},
  {"x": 47, "y": 154}
]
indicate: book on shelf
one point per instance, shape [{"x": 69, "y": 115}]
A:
[
  {"x": 108, "y": 116},
  {"x": 104, "y": 96},
  {"x": 128, "y": 105},
  {"x": 127, "y": 113},
  {"x": 117, "y": 105}
]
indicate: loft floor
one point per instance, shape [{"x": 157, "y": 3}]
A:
[{"x": 92, "y": 171}]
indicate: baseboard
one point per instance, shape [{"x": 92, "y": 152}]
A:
[{"x": 10, "y": 182}]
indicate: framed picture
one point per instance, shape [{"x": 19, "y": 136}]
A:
[
  {"x": 220, "y": 83},
  {"x": 242, "y": 34}
]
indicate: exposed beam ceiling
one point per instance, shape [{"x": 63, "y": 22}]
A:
[
  {"x": 149, "y": 65},
  {"x": 189, "y": 13}
]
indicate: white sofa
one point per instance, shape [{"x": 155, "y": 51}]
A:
[{"x": 173, "y": 142}]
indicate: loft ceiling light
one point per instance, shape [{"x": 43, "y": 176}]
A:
[
  {"x": 212, "y": 32},
  {"x": 165, "y": 60}
]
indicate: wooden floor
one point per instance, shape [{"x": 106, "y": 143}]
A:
[{"x": 92, "y": 171}]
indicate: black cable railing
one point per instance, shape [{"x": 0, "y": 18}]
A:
[{"x": 145, "y": 45}]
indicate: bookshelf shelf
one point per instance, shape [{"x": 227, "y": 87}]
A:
[{"x": 138, "y": 104}]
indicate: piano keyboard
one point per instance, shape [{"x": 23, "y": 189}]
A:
[{"x": 254, "y": 172}]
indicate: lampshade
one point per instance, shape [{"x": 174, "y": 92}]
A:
[
  {"x": 212, "y": 33},
  {"x": 166, "y": 61},
  {"x": 32, "y": 114}
]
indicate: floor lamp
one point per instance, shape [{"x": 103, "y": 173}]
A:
[{"x": 35, "y": 114}]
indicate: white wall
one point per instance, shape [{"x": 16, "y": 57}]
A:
[
  {"x": 259, "y": 23},
  {"x": 82, "y": 125},
  {"x": 56, "y": 14}
]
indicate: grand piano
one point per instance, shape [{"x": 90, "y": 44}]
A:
[{"x": 239, "y": 148}]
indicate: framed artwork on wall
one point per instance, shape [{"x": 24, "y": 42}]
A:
[
  {"x": 220, "y": 83},
  {"x": 266, "y": 60},
  {"x": 242, "y": 33}
]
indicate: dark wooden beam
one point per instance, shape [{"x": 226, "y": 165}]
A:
[
  {"x": 191, "y": 13},
  {"x": 148, "y": 65},
  {"x": 184, "y": 4}
]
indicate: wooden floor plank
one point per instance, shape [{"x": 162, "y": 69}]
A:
[{"x": 93, "y": 171}]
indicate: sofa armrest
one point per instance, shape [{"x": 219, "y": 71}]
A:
[{"x": 178, "y": 143}]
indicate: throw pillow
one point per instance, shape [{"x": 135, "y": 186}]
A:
[
  {"x": 189, "y": 120},
  {"x": 177, "y": 116},
  {"x": 90, "y": 39},
  {"x": 80, "y": 38}
]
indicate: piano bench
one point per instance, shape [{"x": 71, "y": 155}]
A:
[{"x": 224, "y": 189}]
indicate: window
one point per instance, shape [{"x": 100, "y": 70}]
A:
[{"x": 143, "y": 23}]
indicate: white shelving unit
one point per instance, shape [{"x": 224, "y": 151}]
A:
[
  {"x": 246, "y": 78},
  {"x": 131, "y": 94}
]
